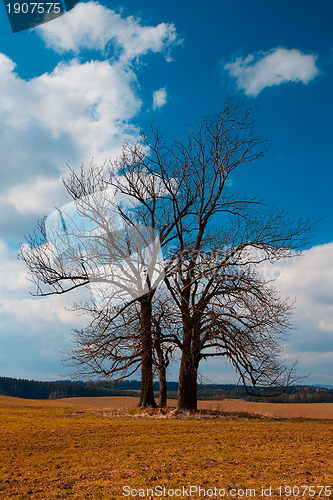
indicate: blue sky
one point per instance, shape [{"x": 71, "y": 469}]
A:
[{"x": 77, "y": 86}]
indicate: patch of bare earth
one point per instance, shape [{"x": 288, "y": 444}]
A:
[{"x": 277, "y": 410}]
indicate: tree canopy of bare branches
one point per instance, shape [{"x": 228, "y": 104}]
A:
[{"x": 190, "y": 230}]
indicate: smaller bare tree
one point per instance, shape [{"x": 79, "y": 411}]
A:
[
  {"x": 88, "y": 243},
  {"x": 110, "y": 347}
]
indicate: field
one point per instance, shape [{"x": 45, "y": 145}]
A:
[{"x": 84, "y": 449}]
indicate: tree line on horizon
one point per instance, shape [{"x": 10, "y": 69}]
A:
[{"x": 31, "y": 389}]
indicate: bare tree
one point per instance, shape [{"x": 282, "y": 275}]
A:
[
  {"x": 98, "y": 241},
  {"x": 85, "y": 243},
  {"x": 110, "y": 347},
  {"x": 166, "y": 326},
  {"x": 178, "y": 198},
  {"x": 214, "y": 241},
  {"x": 106, "y": 350}
]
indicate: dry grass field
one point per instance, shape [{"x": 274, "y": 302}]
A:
[{"x": 91, "y": 449}]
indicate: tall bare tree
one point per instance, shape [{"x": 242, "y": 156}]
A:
[
  {"x": 178, "y": 198},
  {"x": 214, "y": 241}
]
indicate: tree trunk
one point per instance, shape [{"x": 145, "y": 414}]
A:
[
  {"x": 147, "y": 398},
  {"x": 163, "y": 386},
  {"x": 187, "y": 385},
  {"x": 162, "y": 363}
]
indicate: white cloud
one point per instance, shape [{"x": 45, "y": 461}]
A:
[
  {"x": 309, "y": 279},
  {"x": 325, "y": 326},
  {"x": 77, "y": 111},
  {"x": 12, "y": 273},
  {"x": 35, "y": 197},
  {"x": 33, "y": 331},
  {"x": 280, "y": 65},
  {"x": 92, "y": 26},
  {"x": 90, "y": 104},
  {"x": 159, "y": 98}
]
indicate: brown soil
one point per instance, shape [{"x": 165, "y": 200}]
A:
[{"x": 280, "y": 410}]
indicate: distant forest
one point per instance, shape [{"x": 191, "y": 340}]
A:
[{"x": 31, "y": 389}]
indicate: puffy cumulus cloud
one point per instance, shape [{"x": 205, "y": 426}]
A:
[
  {"x": 77, "y": 111},
  {"x": 159, "y": 98},
  {"x": 309, "y": 277},
  {"x": 280, "y": 65},
  {"x": 93, "y": 26},
  {"x": 12, "y": 273},
  {"x": 325, "y": 326},
  {"x": 35, "y": 197},
  {"x": 15, "y": 288},
  {"x": 309, "y": 280},
  {"x": 86, "y": 106},
  {"x": 33, "y": 331}
]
